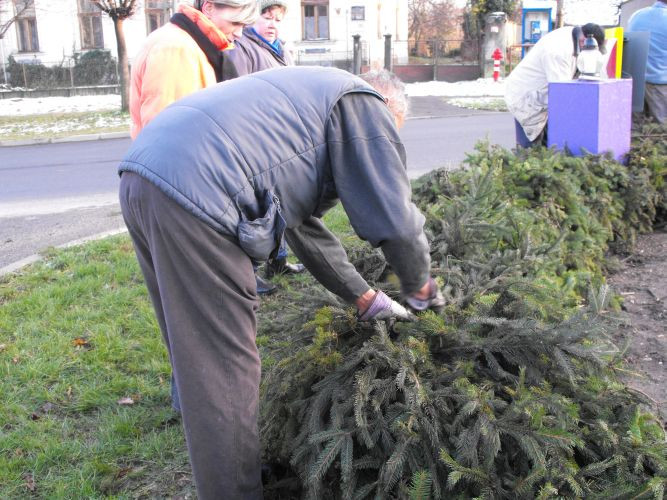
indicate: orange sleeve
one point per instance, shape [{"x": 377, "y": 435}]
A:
[{"x": 170, "y": 73}]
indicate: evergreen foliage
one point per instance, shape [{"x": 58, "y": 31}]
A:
[{"x": 511, "y": 391}]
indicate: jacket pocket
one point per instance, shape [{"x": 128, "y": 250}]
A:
[{"x": 261, "y": 237}]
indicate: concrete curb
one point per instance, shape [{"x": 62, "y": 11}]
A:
[
  {"x": 72, "y": 138},
  {"x": 16, "y": 266}
]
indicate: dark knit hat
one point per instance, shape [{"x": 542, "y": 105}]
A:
[
  {"x": 265, "y": 4},
  {"x": 597, "y": 32}
]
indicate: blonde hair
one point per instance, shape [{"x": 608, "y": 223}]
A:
[{"x": 247, "y": 14}]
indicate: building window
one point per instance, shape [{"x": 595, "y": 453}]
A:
[
  {"x": 158, "y": 13},
  {"x": 315, "y": 19},
  {"x": 358, "y": 13},
  {"x": 90, "y": 21},
  {"x": 26, "y": 27}
]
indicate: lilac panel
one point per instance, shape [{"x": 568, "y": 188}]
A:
[
  {"x": 615, "y": 117},
  {"x": 590, "y": 115},
  {"x": 573, "y": 116}
]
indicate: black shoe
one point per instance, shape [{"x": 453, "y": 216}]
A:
[
  {"x": 264, "y": 287},
  {"x": 281, "y": 266}
]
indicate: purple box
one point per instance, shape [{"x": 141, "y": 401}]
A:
[{"x": 591, "y": 115}]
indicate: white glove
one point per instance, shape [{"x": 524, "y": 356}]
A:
[{"x": 383, "y": 308}]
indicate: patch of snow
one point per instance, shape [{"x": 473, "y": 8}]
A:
[
  {"x": 110, "y": 102},
  {"x": 67, "y": 125},
  {"x": 44, "y": 105},
  {"x": 482, "y": 87}
]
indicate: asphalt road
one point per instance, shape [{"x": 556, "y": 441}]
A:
[
  {"x": 443, "y": 142},
  {"x": 52, "y": 194}
]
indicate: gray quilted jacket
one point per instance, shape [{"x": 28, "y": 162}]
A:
[{"x": 304, "y": 137}]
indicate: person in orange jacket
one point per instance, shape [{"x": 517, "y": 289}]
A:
[
  {"x": 181, "y": 57},
  {"x": 185, "y": 55}
]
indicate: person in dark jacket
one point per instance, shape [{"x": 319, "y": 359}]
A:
[
  {"x": 204, "y": 195},
  {"x": 258, "y": 49}
]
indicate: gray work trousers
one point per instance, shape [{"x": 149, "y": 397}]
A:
[
  {"x": 203, "y": 290},
  {"x": 655, "y": 99}
]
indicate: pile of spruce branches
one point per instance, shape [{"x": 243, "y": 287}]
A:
[{"x": 512, "y": 390}]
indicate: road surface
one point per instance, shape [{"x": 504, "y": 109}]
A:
[{"x": 51, "y": 194}]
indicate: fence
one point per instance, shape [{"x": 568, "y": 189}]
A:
[
  {"x": 514, "y": 53},
  {"x": 444, "y": 60},
  {"x": 448, "y": 60},
  {"x": 338, "y": 59},
  {"x": 435, "y": 52},
  {"x": 89, "y": 68}
]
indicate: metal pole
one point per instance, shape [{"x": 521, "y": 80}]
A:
[
  {"x": 356, "y": 47},
  {"x": 435, "y": 60},
  {"x": 387, "y": 52}
]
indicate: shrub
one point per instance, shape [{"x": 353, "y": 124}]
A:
[
  {"x": 511, "y": 391},
  {"x": 95, "y": 67}
]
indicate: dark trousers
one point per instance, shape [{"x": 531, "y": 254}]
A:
[
  {"x": 524, "y": 142},
  {"x": 203, "y": 290}
]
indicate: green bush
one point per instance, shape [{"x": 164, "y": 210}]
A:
[
  {"x": 36, "y": 75},
  {"x": 94, "y": 67}
]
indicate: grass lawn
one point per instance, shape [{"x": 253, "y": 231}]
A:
[
  {"x": 56, "y": 125},
  {"x": 84, "y": 376}
]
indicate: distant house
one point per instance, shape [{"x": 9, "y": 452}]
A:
[{"x": 317, "y": 31}]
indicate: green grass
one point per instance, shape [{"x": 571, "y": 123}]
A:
[
  {"x": 56, "y": 125},
  {"x": 78, "y": 334},
  {"x": 62, "y": 424}
]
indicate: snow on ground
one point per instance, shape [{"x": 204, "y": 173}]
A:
[
  {"x": 20, "y": 106},
  {"x": 44, "y": 105},
  {"x": 79, "y": 123},
  {"x": 476, "y": 88}
]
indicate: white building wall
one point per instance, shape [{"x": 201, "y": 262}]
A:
[
  {"x": 59, "y": 32},
  {"x": 381, "y": 17}
]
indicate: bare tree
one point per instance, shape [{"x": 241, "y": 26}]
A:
[
  {"x": 118, "y": 11},
  {"x": 434, "y": 20},
  {"x": 6, "y": 6},
  {"x": 417, "y": 16},
  {"x": 560, "y": 4}
]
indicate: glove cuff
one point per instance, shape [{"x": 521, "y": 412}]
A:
[
  {"x": 435, "y": 298},
  {"x": 380, "y": 302}
]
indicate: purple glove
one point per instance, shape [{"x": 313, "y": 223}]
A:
[
  {"x": 435, "y": 300},
  {"x": 383, "y": 308}
]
